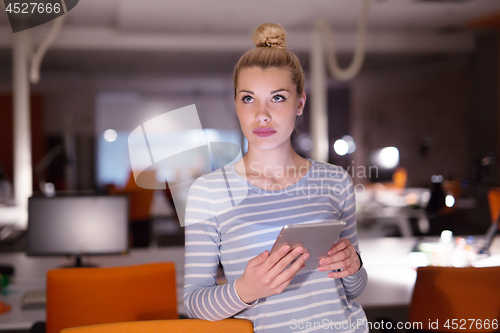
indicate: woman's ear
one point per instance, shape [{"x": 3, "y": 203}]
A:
[{"x": 302, "y": 103}]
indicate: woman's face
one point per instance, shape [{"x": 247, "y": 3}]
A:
[{"x": 267, "y": 99}]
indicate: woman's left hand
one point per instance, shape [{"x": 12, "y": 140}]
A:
[{"x": 342, "y": 255}]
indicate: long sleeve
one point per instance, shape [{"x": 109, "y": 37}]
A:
[
  {"x": 203, "y": 298},
  {"x": 356, "y": 283},
  {"x": 232, "y": 221}
]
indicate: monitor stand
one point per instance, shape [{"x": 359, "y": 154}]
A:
[{"x": 79, "y": 263}]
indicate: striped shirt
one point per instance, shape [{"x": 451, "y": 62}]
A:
[{"x": 230, "y": 220}]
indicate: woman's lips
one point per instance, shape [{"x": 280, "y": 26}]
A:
[{"x": 263, "y": 132}]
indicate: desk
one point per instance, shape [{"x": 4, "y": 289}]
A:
[
  {"x": 13, "y": 215},
  {"x": 390, "y": 277}
]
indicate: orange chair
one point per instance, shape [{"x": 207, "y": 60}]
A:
[
  {"x": 445, "y": 293},
  {"x": 170, "y": 326},
  {"x": 140, "y": 200},
  {"x": 399, "y": 178},
  {"x": 89, "y": 296},
  {"x": 494, "y": 203}
]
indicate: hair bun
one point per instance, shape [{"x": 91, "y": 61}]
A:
[{"x": 269, "y": 34}]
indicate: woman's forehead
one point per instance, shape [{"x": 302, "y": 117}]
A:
[{"x": 269, "y": 77}]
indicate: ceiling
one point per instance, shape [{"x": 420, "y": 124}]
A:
[
  {"x": 173, "y": 36},
  {"x": 241, "y": 17}
]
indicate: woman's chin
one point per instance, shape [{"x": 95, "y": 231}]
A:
[{"x": 266, "y": 145}]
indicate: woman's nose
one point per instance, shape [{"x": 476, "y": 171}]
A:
[{"x": 263, "y": 114}]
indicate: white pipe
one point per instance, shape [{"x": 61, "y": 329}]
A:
[
  {"x": 37, "y": 57},
  {"x": 319, "y": 105},
  {"x": 23, "y": 179},
  {"x": 319, "y": 112},
  {"x": 353, "y": 69}
]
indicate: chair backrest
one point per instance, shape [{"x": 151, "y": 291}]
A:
[
  {"x": 445, "y": 293},
  {"x": 170, "y": 326},
  {"x": 88, "y": 296}
]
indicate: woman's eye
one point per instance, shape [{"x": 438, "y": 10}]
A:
[
  {"x": 279, "y": 98},
  {"x": 247, "y": 99}
]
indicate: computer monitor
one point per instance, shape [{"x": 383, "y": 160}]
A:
[{"x": 77, "y": 226}]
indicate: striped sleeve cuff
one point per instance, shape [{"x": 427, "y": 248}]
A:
[
  {"x": 216, "y": 303},
  {"x": 355, "y": 284},
  {"x": 241, "y": 303},
  {"x": 353, "y": 279}
]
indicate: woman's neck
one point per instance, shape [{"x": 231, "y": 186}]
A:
[{"x": 274, "y": 164}]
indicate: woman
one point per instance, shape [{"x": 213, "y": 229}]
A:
[{"x": 269, "y": 97}]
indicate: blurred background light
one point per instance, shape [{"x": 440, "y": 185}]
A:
[
  {"x": 110, "y": 135},
  {"x": 341, "y": 147},
  {"x": 437, "y": 179},
  {"x": 389, "y": 157},
  {"x": 449, "y": 201},
  {"x": 350, "y": 143},
  {"x": 49, "y": 189},
  {"x": 305, "y": 143}
]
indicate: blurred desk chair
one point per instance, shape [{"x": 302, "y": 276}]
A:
[
  {"x": 89, "y": 296},
  {"x": 447, "y": 293},
  {"x": 140, "y": 200},
  {"x": 171, "y": 326},
  {"x": 399, "y": 178}
]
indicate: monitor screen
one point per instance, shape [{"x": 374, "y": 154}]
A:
[{"x": 77, "y": 225}]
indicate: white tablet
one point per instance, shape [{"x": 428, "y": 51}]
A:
[{"x": 317, "y": 238}]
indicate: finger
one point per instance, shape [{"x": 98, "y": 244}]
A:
[
  {"x": 285, "y": 283},
  {"x": 351, "y": 264},
  {"x": 327, "y": 264},
  {"x": 299, "y": 263},
  {"x": 281, "y": 265},
  {"x": 341, "y": 244},
  {"x": 342, "y": 274},
  {"x": 286, "y": 260},
  {"x": 289, "y": 273},
  {"x": 339, "y": 256},
  {"x": 258, "y": 259},
  {"x": 275, "y": 257},
  {"x": 344, "y": 264},
  {"x": 281, "y": 287}
]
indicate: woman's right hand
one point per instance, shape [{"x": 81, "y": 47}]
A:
[{"x": 265, "y": 275}]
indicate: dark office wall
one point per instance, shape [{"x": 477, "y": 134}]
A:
[
  {"x": 7, "y": 134},
  {"x": 338, "y": 121},
  {"x": 402, "y": 105},
  {"x": 69, "y": 120},
  {"x": 338, "y": 104},
  {"x": 484, "y": 105}
]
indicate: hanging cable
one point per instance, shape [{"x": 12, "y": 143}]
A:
[
  {"x": 359, "y": 53},
  {"x": 37, "y": 57}
]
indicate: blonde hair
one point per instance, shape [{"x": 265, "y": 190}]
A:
[{"x": 270, "y": 51}]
